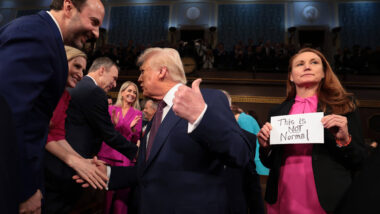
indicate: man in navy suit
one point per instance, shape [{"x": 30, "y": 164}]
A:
[
  {"x": 33, "y": 73},
  {"x": 181, "y": 169}
]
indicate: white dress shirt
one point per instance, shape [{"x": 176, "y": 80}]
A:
[
  {"x": 168, "y": 99},
  {"x": 55, "y": 21}
]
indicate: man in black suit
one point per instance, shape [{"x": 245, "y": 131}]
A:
[
  {"x": 88, "y": 124},
  {"x": 150, "y": 108}
]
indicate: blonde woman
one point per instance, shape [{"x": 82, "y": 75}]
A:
[
  {"x": 58, "y": 146},
  {"x": 126, "y": 116}
]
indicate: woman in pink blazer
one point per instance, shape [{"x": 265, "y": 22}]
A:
[{"x": 126, "y": 117}]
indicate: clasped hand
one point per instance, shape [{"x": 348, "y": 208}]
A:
[{"x": 95, "y": 175}]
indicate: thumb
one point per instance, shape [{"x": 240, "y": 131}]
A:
[
  {"x": 195, "y": 85},
  {"x": 95, "y": 160}
]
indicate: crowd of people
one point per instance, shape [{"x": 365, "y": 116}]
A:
[
  {"x": 189, "y": 150},
  {"x": 259, "y": 56}
]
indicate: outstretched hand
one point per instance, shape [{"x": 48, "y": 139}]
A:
[
  {"x": 91, "y": 172},
  {"x": 188, "y": 103}
]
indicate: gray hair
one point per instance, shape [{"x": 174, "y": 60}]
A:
[
  {"x": 154, "y": 104},
  {"x": 105, "y": 62},
  {"x": 228, "y": 96},
  {"x": 165, "y": 57}
]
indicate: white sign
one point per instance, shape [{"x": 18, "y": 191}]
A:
[{"x": 297, "y": 129}]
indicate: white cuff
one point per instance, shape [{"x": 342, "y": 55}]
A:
[
  {"x": 191, "y": 127},
  {"x": 108, "y": 175}
]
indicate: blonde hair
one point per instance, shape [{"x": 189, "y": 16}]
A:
[
  {"x": 331, "y": 93},
  {"x": 165, "y": 57},
  {"x": 119, "y": 101},
  {"x": 72, "y": 53}
]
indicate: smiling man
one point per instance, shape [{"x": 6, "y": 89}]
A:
[
  {"x": 33, "y": 73},
  {"x": 88, "y": 124}
]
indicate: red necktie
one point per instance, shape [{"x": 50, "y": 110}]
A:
[{"x": 155, "y": 125}]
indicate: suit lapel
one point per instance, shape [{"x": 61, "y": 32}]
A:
[
  {"x": 286, "y": 107},
  {"x": 167, "y": 124}
]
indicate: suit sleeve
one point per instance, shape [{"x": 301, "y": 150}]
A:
[
  {"x": 219, "y": 132},
  {"x": 252, "y": 181},
  {"x": 266, "y": 154},
  {"x": 122, "y": 177},
  {"x": 25, "y": 66},
  {"x": 355, "y": 152},
  {"x": 99, "y": 118}
]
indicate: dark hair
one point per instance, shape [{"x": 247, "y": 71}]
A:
[
  {"x": 58, "y": 4},
  {"x": 235, "y": 109},
  {"x": 331, "y": 93}
]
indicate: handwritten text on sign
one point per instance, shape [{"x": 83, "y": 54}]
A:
[{"x": 297, "y": 128}]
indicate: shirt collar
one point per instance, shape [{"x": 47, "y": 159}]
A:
[
  {"x": 55, "y": 23},
  {"x": 169, "y": 96},
  {"x": 92, "y": 79}
]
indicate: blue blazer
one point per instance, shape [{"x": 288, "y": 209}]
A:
[
  {"x": 33, "y": 75},
  {"x": 184, "y": 172}
]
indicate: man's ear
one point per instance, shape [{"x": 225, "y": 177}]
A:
[
  {"x": 68, "y": 7},
  {"x": 163, "y": 72},
  {"x": 101, "y": 71}
]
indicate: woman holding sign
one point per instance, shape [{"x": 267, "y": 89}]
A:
[{"x": 312, "y": 178}]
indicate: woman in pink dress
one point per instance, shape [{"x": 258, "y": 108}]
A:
[
  {"x": 313, "y": 178},
  {"x": 126, "y": 117}
]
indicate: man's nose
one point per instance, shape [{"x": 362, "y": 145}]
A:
[{"x": 95, "y": 32}]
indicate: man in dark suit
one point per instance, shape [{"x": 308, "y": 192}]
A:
[
  {"x": 88, "y": 124},
  {"x": 149, "y": 110},
  {"x": 33, "y": 73},
  {"x": 181, "y": 159}
]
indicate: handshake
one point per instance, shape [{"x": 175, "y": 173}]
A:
[{"x": 90, "y": 172}]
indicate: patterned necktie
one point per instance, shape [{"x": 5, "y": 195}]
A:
[{"x": 155, "y": 125}]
